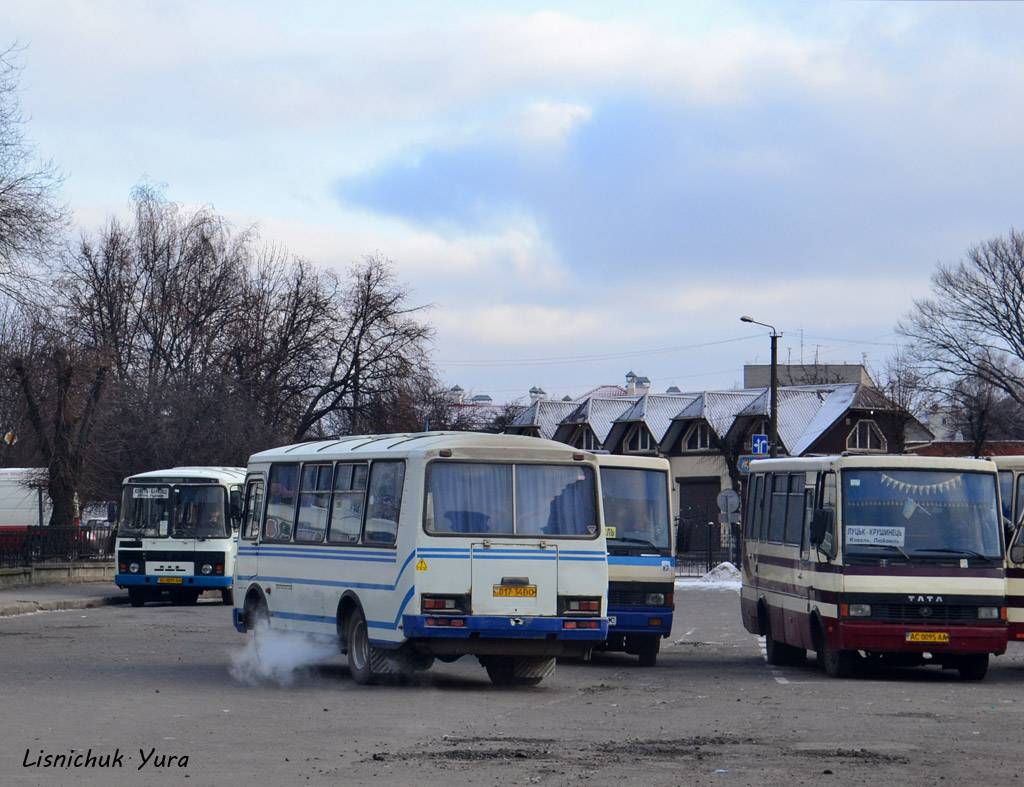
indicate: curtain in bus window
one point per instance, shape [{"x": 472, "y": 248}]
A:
[
  {"x": 555, "y": 500},
  {"x": 384, "y": 502},
  {"x": 468, "y": 497},
  {"x": 753, "y": 524},
  {"x": 777, "y": 514},
  {"x": 795, "y": 509}
]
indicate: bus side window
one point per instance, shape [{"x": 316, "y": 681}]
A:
[
  {"x": 280, "y": 519},
  {"x": 384, "y": 502},
  {"x": 794, "y": 509},
  {"x": 253, "y": 509},
  {"x": 347, "y": 504},
  {"x": 314, "y": 500},
  {"x": 753, "y": 523},
  {"x": 777, "y": 512}
]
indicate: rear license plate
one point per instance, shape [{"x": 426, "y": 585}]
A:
[
  {"x": 518, "y": 591},
  {"x": 168, "y": 580},
  {"x": 927, "y": 636}
]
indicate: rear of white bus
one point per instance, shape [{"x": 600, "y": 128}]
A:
[{"x": 511, "y": 563}]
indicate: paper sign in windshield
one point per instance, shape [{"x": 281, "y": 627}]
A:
[{"x": 879, "y": 536}]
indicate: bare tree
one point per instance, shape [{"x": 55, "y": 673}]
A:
[
  {"x": 63, "y": 438},
  {"x": 973, "y": 325},
  {"x": 30, "y": 215},
  {"x": 378, "y": 343},
  {"x": 909, "y": 394}
]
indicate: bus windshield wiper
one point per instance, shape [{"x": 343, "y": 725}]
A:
[
  {"x": 887, "y": 546},
  {"x": 633, "y": 540},
  {"x": 962, "y": 551}
]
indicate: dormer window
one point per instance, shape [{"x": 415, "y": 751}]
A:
[
  {"x": 586, "y": 440},
  {"x": 866, "y": 436},
  {"x": 640, "y": 441},
  {"x": 698, "y": 438}
]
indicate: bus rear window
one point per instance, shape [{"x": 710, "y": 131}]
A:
[{"x": 503, "y": 499}]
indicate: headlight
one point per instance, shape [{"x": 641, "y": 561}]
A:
[
  {"x": 133, "y": 568},
  {"x": 207, "y": 569},
  {"x": 860, "y": 610},
  {"x": 655, "y": 599},
  {"x": 988, "y": 613}
]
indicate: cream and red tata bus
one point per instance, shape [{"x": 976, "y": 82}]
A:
[{"x": 894, "y": 559}]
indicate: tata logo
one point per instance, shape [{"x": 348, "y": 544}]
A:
[{"x": 925, "y": 599}]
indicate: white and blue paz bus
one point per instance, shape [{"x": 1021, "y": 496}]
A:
[
  {"x": 177, "y": 533},
  {"x": 410, "y": 547}
]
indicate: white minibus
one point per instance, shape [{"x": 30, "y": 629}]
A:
[
  {"x": 875, "y": 558},
  {"x": 409, "y": 547},
  {"x": 636, "y": 494},
  {"x": 177, "y": 533}
]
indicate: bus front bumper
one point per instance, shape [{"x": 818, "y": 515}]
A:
[
  {"x": 640, "y": 620},
  {"x": 913, "y": 638},
  {"x": 163, "y": 583}
]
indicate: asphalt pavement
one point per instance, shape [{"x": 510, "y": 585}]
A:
[{"x": 44, "y": 598}]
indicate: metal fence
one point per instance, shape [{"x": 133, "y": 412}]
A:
[
  {"x": 26, "y": 547},
  {"x": 707, "y": 545}
]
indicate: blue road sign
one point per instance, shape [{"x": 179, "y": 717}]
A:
[{"x": 759, "y": 444}]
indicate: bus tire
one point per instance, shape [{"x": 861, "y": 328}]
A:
[
  {"x": 184, "y": 598},
  {"x": 836, "y": 663},
  {"x": 255, "y": 613},
  {"x": 359, "y": 650},
  {"x": 648, "y": 650},
  {"x": 779, "y": 653},
  {"x": 501, "y": 670},
  {"x": 227, "y": 596},
  {"x": 137, "y": 596},
  {"x": 974, "y": 666}
]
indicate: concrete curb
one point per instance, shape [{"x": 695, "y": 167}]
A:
[{"x": 28, "y": 607}]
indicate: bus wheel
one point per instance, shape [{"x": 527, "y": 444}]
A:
[
  {"x": 136, "y": 596},
  {"x": 184, "y": 598},
  {"x": 837, "y": 663},
  {"x": 779, "y": 653},
  {"x": 255, "y": 614},
  {"x": 501, "y": 670},
  {"x": 359, "y": 650},
  {"x": 227, "y": 596},
  {"x": 973, "y": 667},
  {"x": 648, "y": 651}
]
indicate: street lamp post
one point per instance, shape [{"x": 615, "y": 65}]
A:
[{"x": 773, "y": 407}]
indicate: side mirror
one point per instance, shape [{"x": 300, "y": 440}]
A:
[
  {"x": 236, "y": 508},
  {"x": 1017, "y": 553},
  {"x": 823, "y": 530}
]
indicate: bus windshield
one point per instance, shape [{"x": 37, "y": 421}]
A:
[
  {"x": 504, "y": 499},
  {"x": 179, "y": 511},
  {"x": 636, "y": 506},
  {"x": 920, "y": 514}
]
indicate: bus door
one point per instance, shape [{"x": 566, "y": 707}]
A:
[
  {"x": 1012, "y": 506},
  {"x": 514, "y": 578},
  {"x": 247, "y": 559}
]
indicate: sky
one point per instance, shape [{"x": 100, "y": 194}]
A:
[{"x": 572, "y": 190}]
